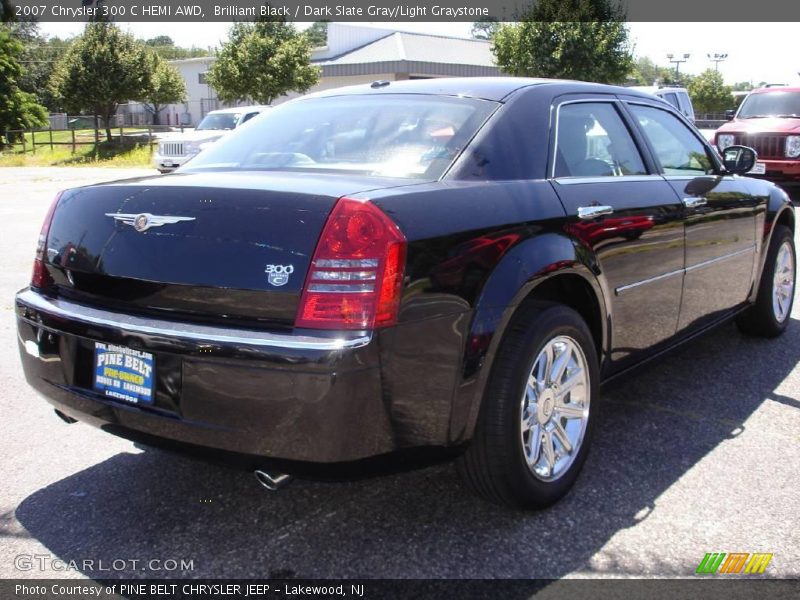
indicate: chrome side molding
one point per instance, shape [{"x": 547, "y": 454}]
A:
[{"x": 635, "y": 284}]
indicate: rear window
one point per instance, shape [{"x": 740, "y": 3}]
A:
[
  {"x": 770, "y": 104},
  {"x": 409, "y": 136},
  {"x": 218, "y": 121}
]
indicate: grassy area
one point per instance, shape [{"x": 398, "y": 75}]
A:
[
  {"x": 114, "y": 154},
  {"x": 130, "y": 148},
  {"x": 85, "y": 136}
]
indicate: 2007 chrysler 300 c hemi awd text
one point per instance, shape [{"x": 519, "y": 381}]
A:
[{"x": 456, "y": 264}]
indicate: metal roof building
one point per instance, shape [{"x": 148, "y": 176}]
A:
[
  {"x": 409, "y": 55},
  {"x": 353, "y": 54}
]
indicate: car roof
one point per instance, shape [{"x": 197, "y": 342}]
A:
[
  {"x": 486, "y": 88},
  {"x": 237, "y": 109},
  {"x": 784, "y": 88},
  {"x": 654, "y": 89}
]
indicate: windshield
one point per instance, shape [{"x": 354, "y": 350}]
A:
[
  {"x": 770, "y": 104},
  {"x": 218, "y": 121},
  {"x": 414, "y": 136}
]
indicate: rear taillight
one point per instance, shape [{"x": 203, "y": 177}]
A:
[
  {"x": 41, "y": 277},
  {"x": 356, "y": 275}
]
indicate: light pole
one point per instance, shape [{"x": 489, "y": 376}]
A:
[
  {"x": 717, "y": 58},
  {"x": 677, "y": 62}
]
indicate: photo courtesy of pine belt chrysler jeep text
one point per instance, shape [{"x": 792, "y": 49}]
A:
[{"x": 452, "y": 264}]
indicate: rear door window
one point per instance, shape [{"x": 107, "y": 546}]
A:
[{"x": 593, "y": 141}]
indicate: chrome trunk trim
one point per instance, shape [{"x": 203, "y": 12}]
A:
[{"x": 191, "y": 332}]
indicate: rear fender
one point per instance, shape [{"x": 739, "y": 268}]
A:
[
  {"x": 522, "y": 269},
  {"x": 779, "y": 209}
]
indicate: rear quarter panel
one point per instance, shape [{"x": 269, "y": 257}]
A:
[{"x": 474, "y": 252}]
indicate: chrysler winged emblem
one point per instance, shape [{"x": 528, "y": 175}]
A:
[{"x": 144, "y": 221}]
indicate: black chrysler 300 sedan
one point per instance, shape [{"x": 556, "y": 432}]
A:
[{"x": 455, "y": 263}]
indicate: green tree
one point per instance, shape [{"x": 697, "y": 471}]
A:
[
  {"x": 647, "y": 72},
  {"x": 166, "y": 86},
  {"x": 103, "y": 68},
  {"x": 165, "y": 47},
  {"x": 709, "y": 92},
  {"x": 39, "y": 56},
  {"x": 680, "y": 79},
  {"x": 262, "y": 61},
  {"x": 317, "y": 34},
  {"x": 40, "y": 59},
  {"x": 26, "y": 32},
  {"x": 484, "y": 29},
  {"x": 742, "y": 86},
  {"x": 18, "y": 109},
  {"x": 160, "y": 41},
  {"x": 569, "y": 39}
]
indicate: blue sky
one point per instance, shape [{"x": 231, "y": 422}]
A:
[{"x": 756, "y": 51}]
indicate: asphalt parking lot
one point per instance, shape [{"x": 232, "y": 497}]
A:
[{"x": 697, "y": 454}]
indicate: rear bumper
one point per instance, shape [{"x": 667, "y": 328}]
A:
[{"x": 314, "y": 397}]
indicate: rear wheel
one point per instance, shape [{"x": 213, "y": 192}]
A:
[
  {"x": 769, "y": 316},
  {"x": 536, "y": 421}
]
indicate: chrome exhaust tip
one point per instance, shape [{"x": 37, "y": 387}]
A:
[
  {"x": 272, "y": 481},
  {"x": 67, "y": 419}
]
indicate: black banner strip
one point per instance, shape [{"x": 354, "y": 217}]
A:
[
  {"x": 384, "y": 10},
  {"x": 730, "y": 588}
]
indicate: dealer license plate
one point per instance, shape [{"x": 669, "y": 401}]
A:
[
  {"x": 123, "y": 373},
  {"x": 758, "y": 169}
]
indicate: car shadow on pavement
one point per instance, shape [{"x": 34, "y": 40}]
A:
[{"x": 424, "y": 524}]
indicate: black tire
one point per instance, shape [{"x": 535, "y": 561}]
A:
[
  {"x": 494, "y": 464},
  {"x": 761, "y": 319}
]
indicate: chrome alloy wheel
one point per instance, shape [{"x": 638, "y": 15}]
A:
[
  {"x": 783, "y": 282},
  {"x": 555, "y": 408}
]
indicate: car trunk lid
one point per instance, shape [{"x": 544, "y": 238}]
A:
[{"x": 210, "y": 246}]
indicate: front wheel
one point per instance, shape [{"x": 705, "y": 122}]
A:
[
  {"x": 537, "y": 416},
  {"x": 769, "y": 316}
]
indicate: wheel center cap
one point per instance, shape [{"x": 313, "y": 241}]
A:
[{"x": 546, "y": 406}]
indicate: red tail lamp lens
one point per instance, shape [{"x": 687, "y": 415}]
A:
[
  {"x": 356, "y": 274},
  {"x": 41, "y": 277}
]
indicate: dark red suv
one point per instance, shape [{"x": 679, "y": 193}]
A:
[{"x": 768, "y": 120}]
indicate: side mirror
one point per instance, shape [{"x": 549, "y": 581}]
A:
[
  {"x": 729, "y": 114},
  {"x": 739, "y": 159}
]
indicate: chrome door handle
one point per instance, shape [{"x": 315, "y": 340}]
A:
[
  {"x": 592, "y": 212},
  {"x": 694, "y": 202}
]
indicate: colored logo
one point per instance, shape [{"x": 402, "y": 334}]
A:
[{"x": 734, "y": 563}]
